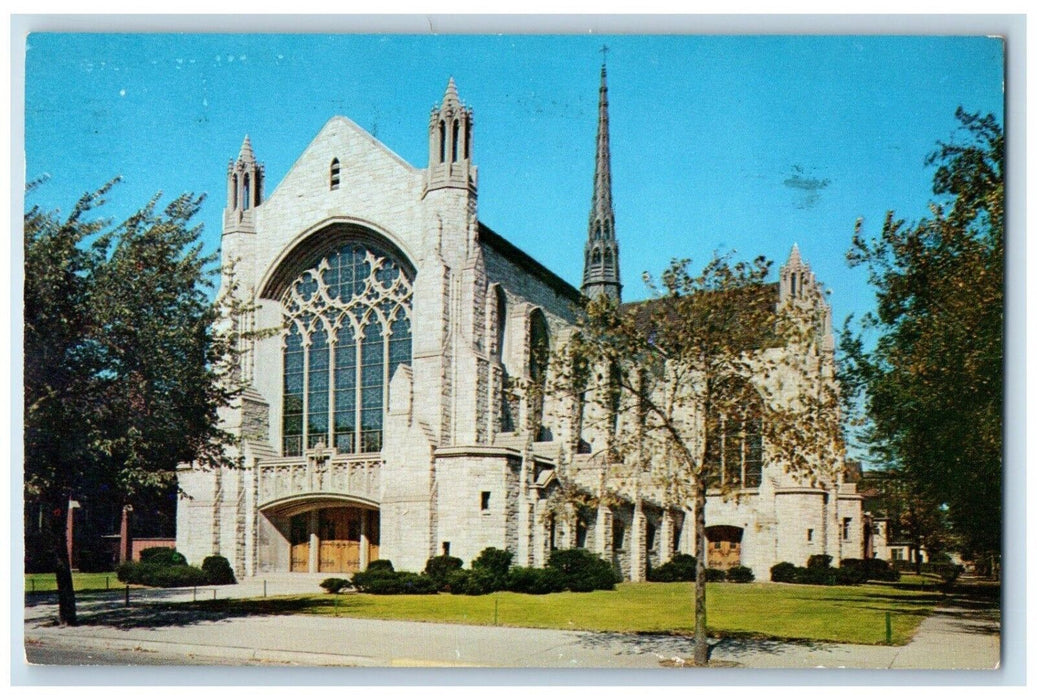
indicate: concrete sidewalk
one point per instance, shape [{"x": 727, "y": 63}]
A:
[{"x": 963, "y": 634}]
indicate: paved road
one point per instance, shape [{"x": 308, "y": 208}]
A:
[{"x": 963, "y": 634}]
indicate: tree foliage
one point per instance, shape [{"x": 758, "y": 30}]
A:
[
  {"x": 711, "y": 356},
  {"x": 126, "y": 361},
  {"x": 932, "y": 384}
]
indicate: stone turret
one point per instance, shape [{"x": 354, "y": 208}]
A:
[
  {"x": 601, "y": 254},
  {"x": 450, "y": 144},
  {"x": 798, "y": 286},
  {"x": 244, "y": 190}
]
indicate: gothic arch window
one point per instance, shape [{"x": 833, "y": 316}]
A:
[
  {"x": 334, "y": 174},
  {"x": 235, "y": 190},
  {"x": 596, "y": 257},
  {"x": 245, "y": 189},
  {"x": 347, "y": 328},
  {"x": 467, "y": 139},
  {"x": 608, "y": 259},
  {"x": 735, "y": 445},
  {"x": 454, "y": 138},
  {"x": 502, "y": 321},
  {"x": 539, "y": 355},
  {"x": 442, "y": 141}
]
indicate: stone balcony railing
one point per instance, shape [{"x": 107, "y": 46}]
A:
[{"x": 355, "y": 476}]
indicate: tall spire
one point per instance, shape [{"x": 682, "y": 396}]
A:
[{"x": 601, "y": 262}]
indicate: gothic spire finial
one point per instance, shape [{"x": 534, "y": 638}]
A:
[{"x": 246, "y": 155}]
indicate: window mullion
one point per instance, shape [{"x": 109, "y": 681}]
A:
[
  {"x": 306, "y": 395},
  {"x": 358, "y": 429},
  {"x": 332, "y": 345},
  {"x": 386, "y": 330}
]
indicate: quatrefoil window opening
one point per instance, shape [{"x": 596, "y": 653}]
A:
[{"x": 346, "y": 328}]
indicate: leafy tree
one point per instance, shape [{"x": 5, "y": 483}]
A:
[
  {"x": 914, "y": 514},
  {"x": 126, "y": 359},
  {"x": 710, "y": 355},
  {"x": 932, "y": 383}
]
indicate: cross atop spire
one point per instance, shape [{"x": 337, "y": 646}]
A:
[{"x": 601, "y": 263}]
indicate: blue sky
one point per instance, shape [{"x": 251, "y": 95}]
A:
[{"x": 744, "y": 143}]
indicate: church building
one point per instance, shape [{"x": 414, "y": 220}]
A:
[{"x": 380, "y": 420}]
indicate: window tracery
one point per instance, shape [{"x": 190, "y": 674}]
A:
[{"x": 346, "y": 328}]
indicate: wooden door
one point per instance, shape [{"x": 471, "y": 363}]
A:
[
  {"x": 724, "y": 554},
  {"x": 300, "y": 543},
  {"x": 339, "y": 540}
]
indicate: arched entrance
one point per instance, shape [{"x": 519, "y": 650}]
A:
[
  {"x": 321, "y": 535},
  {"x": 724, "y": 546},
  {"x": 336, "y": 540}
]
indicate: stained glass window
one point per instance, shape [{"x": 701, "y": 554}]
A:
[{"x": 347, "y": 328}]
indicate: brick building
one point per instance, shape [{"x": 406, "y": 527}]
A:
[{"x": 378, "y": 422}]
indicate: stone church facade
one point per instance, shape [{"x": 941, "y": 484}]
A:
[{"x": 380, "y": 419}]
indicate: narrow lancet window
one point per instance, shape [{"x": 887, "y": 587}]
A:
[{"x": 334, "y": 174}]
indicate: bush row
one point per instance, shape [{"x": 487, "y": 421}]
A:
[
  {"x": 682, "y": 568},
  {"x": 572, "y": 569},
  {"x": 820, "y": 572},
  {"x": 163, "y": 567}
]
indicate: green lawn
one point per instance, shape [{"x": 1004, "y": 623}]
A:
[
  {"x": 82, "y": 582},
  {"x": 855, "y": 614}
]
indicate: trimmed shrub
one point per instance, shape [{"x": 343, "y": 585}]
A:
[
  {"x": 218, "y": 571},
  {"x": 125, "y": 571},
  {"x": 163, "y": 556},
  {"x": 714, "y": 575},
  {"x": 740, "y": 574},
  {"x": 495, "y": 562},
  {"x": 380, "y": 565},
  {"x": 535, "y": 581},
  {"x": 161, "y": 576},
  {"x": 382, "y": 582},
  {"x": 851, "y": 572},
  {"x": 819, "y": 561},
  {"x": 583, "y": 571},
  {"x": 783, "y": 572},
  {"x": 849, "y": 576},
  {"x": 680, "y": 568},
  {"x": 438, "y": 568},
  {"x": 474, "y": 582},
  {"x": 334, "y": 585},
  {"x": 816, "y": 576},
  {"x": 880, "y": 570}
]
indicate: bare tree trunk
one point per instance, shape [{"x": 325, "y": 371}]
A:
[
  {"x": 54, "y": 520},
  {"x": 701, "y": 642}
]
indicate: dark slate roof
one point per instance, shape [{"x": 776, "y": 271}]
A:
[{"x": 528, "y": 263}]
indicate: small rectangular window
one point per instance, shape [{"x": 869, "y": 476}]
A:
[
  {"x": 485, "y": 501},
  {"x": 846, "y": 528},
  {"x": 446, "y": 549},
  {"x": 810, "y": 534}
]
